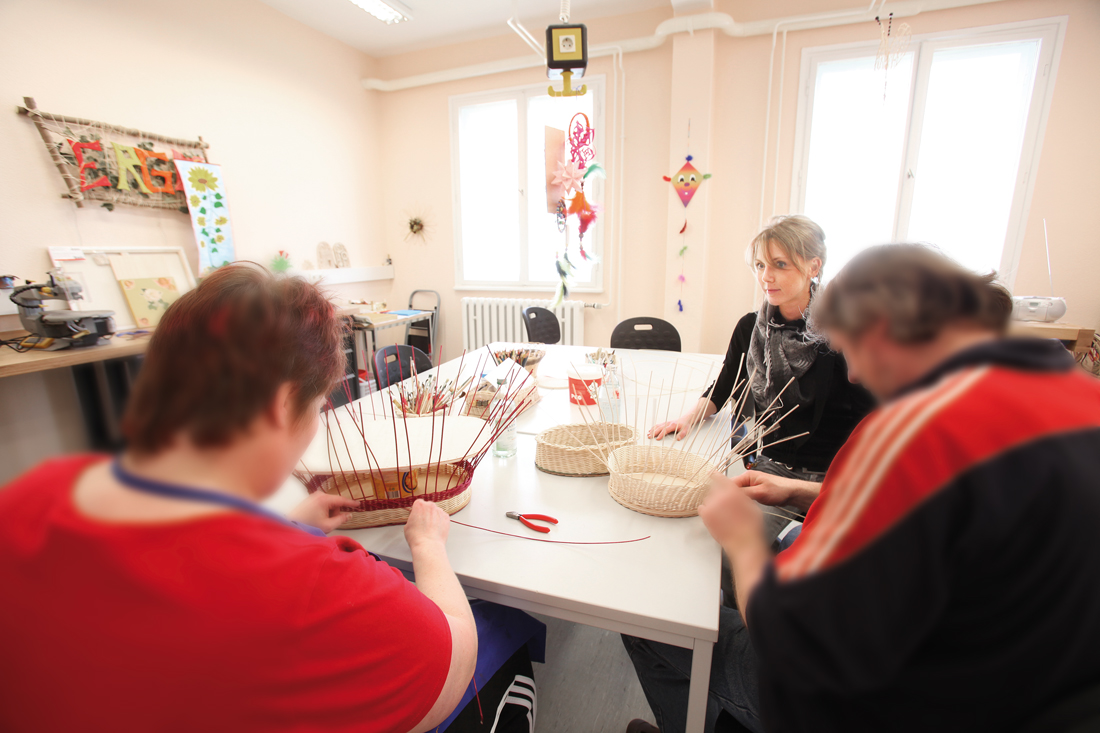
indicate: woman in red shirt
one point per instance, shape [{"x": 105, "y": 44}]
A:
[{"x": 151, "y": 592}]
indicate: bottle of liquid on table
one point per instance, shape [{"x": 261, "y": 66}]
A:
[
  {"x": 505, "y": 447},
  {"x": 610, "y": 395}
]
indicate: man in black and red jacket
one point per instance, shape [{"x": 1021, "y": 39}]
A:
[{"x": 947, "y": 577}]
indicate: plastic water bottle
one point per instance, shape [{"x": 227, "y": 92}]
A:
[
  {"x": 610, "y": 395},
  {"x": 505, "y": 447}
]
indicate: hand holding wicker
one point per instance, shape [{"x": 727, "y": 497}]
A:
[
  {"x": 731, "y": 517},
  {"x": 777, "y": 490},
  {"x": 427, "y": 524},
  {"x": 322, "y": 510}
]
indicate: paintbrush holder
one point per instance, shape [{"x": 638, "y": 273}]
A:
[
  {"x": 580, "y": 449},
  {"x": 386, "y": 498},
  {"x": 480, "y": 402},
  {"x": 660, "y": 481},
  {"x": 528, "y": 358}
]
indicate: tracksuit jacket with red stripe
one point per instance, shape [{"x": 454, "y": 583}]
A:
[{"x": 948, "y": 576}]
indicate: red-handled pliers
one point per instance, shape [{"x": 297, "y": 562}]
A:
[{"x": 539, "y": 517}]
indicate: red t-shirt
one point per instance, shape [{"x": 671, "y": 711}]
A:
[{"x": 226, "y": 622}]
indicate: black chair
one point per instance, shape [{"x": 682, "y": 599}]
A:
[
  {"x": 347, "y": 390},
  {"x": 392, "y": 364},
  {"x": 645, "y": 333},
  {"x": 542, "y": 325}
]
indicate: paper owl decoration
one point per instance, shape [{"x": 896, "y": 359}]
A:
[{"x": 687, "y": 181}]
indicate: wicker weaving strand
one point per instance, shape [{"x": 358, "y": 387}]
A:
[
  {"x": 387, "y": 463},
  {"x": 672, "y": 481}
]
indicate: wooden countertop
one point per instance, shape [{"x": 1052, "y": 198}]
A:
[
  {"x": 1079, "y": 336},
  {"x": 13, "y": 362}
]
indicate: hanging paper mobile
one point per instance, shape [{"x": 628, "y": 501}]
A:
[
  {"x": 686, "y": 182},
  {"x": 569, "y": 177},
  {"x": 681, "y": 279}
]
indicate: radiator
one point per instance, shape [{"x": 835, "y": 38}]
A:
[{"x": 485, "y": 320}]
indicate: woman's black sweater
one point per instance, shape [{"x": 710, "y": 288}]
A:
[{"x": 834, "y": 409}]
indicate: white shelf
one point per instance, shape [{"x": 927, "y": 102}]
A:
[{"x": 341, "y": 275}]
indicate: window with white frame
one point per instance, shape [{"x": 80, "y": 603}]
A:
[
  {"x": 938, "y": 149},
  {"x": 505, "y": 239}
]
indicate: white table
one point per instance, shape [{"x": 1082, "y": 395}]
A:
[
  {"x": 672, "y": 380},
  {"x": 665, "y": 588}
]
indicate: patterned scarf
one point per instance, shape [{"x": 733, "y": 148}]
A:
[{"x": 779, "y": 350}]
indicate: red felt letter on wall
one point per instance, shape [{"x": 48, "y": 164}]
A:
[{"x": 78, "y": 152}]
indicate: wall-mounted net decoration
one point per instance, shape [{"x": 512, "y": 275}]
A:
[{"x": 111, "y": 164}]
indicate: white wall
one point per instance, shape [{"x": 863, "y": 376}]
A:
[
  {"x": 280, "y": 104},
  {"x": 417, "y": 151}
]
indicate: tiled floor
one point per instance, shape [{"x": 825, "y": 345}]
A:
[{"x": 588, "y": 684}]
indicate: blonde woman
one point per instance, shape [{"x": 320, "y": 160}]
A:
[{"x": 788, "y": 257}]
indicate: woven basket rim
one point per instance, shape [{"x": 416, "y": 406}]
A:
[
  {"x": 392, "y": 517},
  {"x": 570, "y": 475},
  {"x": 543, "y": 438},
  {"x": 367, "y": 506}
]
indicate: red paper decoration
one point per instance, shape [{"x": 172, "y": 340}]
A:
[{"x": 78, "y": 153}]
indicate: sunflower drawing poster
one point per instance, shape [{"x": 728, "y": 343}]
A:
[
  {"x": 206, "y": 200},
  {"x": 149, "y": 297}
]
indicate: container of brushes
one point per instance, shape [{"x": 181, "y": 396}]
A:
[
  {"x": 526, "y": 357},
  {"x": 386, "y": 498},
  {"x": 603, "y": 357},
  {"x": 660, "y": 481},
  {"x": 572, "y": 450}
]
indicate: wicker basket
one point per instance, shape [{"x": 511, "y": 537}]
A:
[
  {"x": 566, "y": 450},
  {"x": 657, "y": 480},
  {"x": 384, "y": 512}
]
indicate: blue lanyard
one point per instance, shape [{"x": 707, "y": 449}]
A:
[{"x": 187, "y": 493}]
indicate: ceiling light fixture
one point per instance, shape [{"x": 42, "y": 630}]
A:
[{"x": 389, "y": 11}]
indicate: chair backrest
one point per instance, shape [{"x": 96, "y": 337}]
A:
[
  {"x": 392, "y": 364},
  {"x": 645, "y": 333},
  {"x": 542, "y": 325}
]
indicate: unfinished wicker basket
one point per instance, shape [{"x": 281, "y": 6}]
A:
[
  {"x": 566, "y": 450},
  {"x": 455, "y": 494},
  {"x": 653, "y": 479}
]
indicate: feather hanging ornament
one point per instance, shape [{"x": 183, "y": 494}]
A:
[
  {"x": 565, "y": 270},
  {"x": 586, "y": 217},
  {"x": 570, "y": 175}
]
